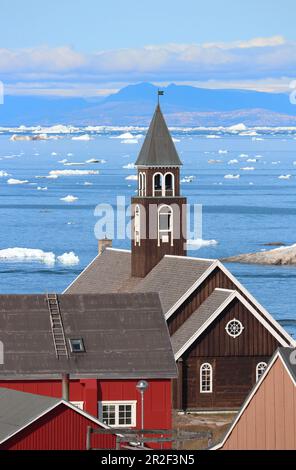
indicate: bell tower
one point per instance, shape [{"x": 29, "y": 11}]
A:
[{"x": 158, "y": 210}]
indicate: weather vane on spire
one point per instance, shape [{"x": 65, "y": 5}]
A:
[{"x": 159, "y": 93}]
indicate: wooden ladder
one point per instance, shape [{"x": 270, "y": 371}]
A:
[{"x": 57, "y": 327}]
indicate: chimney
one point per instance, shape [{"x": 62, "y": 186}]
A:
[
  {"x": 65, "y": 387},
  {"x": 103, "y": 244}
]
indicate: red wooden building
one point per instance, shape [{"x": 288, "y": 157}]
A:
[
  {"x": 221, "y": 334},
  {"x": 34, "y": 422},
  {"x": 91, "y": 350}
]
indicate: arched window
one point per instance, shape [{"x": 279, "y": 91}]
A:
[
  {"x": 137, "y": 225},
  {"x": 169, "y": 181},
  {"x": 206, "y": 378},
  {"x": 157, "y": 184},
  {"x": 142, "y": 184},
  {"x": 165, "y": 224},
  {"x": 260, "y": 369}
]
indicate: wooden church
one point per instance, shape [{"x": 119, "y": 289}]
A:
[{"x": 221, "y": 336}]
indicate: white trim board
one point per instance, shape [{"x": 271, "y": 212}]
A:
[
  {"x": 48, "y": 410},
  {"x": 232, "y": 295},
  {"x": 276, "y": 356}
]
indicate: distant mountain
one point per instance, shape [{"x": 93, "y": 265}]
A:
[{"x": 134, "y": 104}]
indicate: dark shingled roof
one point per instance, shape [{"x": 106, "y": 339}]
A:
[
  {"x": 199, "y": 317},
  {"x": 170, "y": 278},
  {"x": 107, "y": 273},
  {"x": 18, "y": 409},
  {"x": 158, "y": 148},
  {"x": 285, "y": 354},
  {"x": 125, "y": 336}
]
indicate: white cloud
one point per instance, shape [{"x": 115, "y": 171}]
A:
[{"x": 64, "y": 71}]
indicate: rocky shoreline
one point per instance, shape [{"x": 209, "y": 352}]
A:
[{"x": 284, "y": 255}]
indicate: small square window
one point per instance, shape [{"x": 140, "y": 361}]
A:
[{"x": 76, "y": 345}]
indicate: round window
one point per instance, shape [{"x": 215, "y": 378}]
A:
[{"x": 234, "y": 328}]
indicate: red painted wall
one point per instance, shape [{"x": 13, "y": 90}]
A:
[
  {"x": 157, "y": 410},
  {"x": 60, "y": 429}
]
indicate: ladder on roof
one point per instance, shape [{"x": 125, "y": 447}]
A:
[{"x": 57, "y": 327}]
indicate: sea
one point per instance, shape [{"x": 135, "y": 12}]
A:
[{"x": 243, "y": 179}]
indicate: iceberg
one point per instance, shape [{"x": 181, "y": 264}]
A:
[
  {"x": 27, "y": 254},
  {"x": 3, "y": 174},
  {"x": 15, "y": 181},
  {"x": 231, "y": 177},
  {"x": 284, "y": 177},
  {"x": 56, "y": 173},
  {"x": 129, "y": 166},
  {"x": 132, "y": 177},
  {"x": 231, "y": 162},
  {"x": 69, "y": 198},
  {"x": 68, "y": 259},
  {"x": 82, "y": 137}
]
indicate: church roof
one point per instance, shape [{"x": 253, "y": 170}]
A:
[
  {"x": 158, "y": 148},
  {"x": 111, "y": 272}
]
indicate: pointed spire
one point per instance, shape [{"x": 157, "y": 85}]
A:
[{"x": 158, "y": 148}]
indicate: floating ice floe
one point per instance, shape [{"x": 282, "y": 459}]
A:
[
  {"x": 231, "y": 162},
  {"x": 63, "y": 161},
  {"x": 74, "y": 163},
  {"x": 51, "y": 177},
  {"x": 221, "y": 151},
  {"x": 248, "y": 168},
  {"x": 72, "y": 172},
  {"x": 87, "y": 183},
  {"x": 243, "y": 155},
  {"x": 251, "y": 160},
  {"x": 95, "y": 160},
  {"x": 69, "y": 154},
  {"x": 129, "y": 141},
  {"x": 82, "y": 137},
  {"x": 257, "y": 138},
  {"x": 54, "y": 154},
  {"x": 213, "y": 136},
  {"x": 42, "y": 188},
  {"x": 21, "y": 255},
  {"x": 16, "y": 181},
  {"x": 69, "y": 198},
  {"x": 284, "y": 177},
  {"x": 188, "y": 179},
  {"x": 199, "y": 243},
  {"x": 132, "y": 177},
  {"x": 212, "y": 161},
  {"x": 68, "y": 259},
  {"x": 3, "y": 174},
  {"x": 129, "y": 166},
  {"x": 231, "y": 177}
]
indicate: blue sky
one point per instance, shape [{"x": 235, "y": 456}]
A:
[{"x": 93, "y": 47}]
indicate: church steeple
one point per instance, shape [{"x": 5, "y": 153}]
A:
[
  {"x": 158, "y": 148},
  {"x": 158, "y": 211}
]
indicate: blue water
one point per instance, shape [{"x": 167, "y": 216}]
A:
[{"x": 240, "y": 216}]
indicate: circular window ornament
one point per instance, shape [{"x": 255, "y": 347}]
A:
[{"x": 234, "y": 328}]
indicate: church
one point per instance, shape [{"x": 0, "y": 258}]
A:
[{"x": 222, "y": 338}]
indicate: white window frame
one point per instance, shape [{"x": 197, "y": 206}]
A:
[
  {"x": 161, "y": 183},
  {"x": 260, "y": 369},
  {"x": 117, "y": 403},
  {"x": 173, "y": 183},
  {"x": 168, "y": 231},
  {"x": 142, "y": 184},
  {"x": 137, "y": 226},
  {"x": 241, "y": 328},
  {"x": 78, "y": 404},
  {"x": 201, "y": 370}
]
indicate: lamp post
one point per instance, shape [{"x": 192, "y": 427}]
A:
[{"x": 142, "y": 386}]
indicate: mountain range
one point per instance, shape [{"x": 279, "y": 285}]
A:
[{"x": 134, "y": 104}]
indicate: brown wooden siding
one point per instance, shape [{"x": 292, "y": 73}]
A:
[
  {"x": 216, "y": 279},
  {"x": 269, "y": 420},
  {"x": 148, "y": 254},
  {"x": 233, "y": 360}
]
